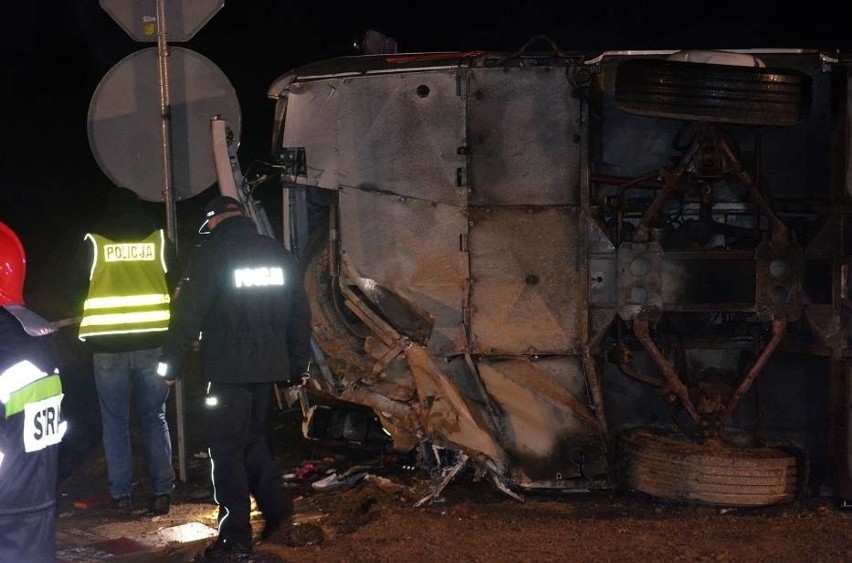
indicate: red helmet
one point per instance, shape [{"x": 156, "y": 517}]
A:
[{"x": 13, "y": 267}]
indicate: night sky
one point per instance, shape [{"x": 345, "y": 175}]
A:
[{"x": 55, "y": 52}]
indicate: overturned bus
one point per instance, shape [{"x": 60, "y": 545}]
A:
[{"x": 573, "y": 272}]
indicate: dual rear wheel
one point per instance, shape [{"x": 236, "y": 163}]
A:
[
  {"x": 666, "y": 465},
  {"x": 712, "y": 92}
]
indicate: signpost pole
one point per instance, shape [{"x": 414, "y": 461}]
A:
[
  {"x": 165, "y": 121},
  {"x": 168, "y": 192}
]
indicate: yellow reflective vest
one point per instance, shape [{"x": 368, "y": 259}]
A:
[{"x": 128, "y": 292}]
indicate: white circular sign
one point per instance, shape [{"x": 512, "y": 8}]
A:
[{"x": 125, "y": 122}]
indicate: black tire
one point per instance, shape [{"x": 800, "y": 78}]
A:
[
  {"x": 712, "y": 93},
  {"x": 667, "y": 466}
]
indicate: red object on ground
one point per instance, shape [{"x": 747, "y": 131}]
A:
[
  {"x": 94, "y": 502},
  {"x": 305, "y": 470},
  {"x": 120, "y": 546}
]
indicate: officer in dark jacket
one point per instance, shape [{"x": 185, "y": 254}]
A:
[
  {"x": 31, "y": 425},
  {"x": 242, "y": 296}
]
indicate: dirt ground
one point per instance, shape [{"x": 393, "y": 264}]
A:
[{"x": 373, "y": 517}]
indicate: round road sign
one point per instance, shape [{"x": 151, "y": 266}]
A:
[{"x": 125, "y": 123}]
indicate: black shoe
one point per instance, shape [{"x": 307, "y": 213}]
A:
[
  {"x": 270, "y": 530},
  {"x": 120, "y": 507},
  {"x": 293, "y": 536},
  {"x": 274, "y": 525},
  {"x": 224, "y": 550},
  {"x": 160, "y": 504}
]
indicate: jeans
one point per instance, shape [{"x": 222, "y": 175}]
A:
[{"x": 114, "y": 375}]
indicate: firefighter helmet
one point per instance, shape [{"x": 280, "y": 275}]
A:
[{"x": 13, "y": 267}]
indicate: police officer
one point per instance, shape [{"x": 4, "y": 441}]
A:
[
  {"x": 31, "y": 425},
  {"x": 130, "y": 269},
  {"x": 243, "y": 296}
]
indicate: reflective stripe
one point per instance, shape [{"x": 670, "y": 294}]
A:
[
  {"x": 17, "y": 377},
  {"x": 94, "y": 254},
  {"x": 215, "y": 495},
  {"x": 39, "y": 390},
  {"x": 121, "y": 331},
  {"x": 125, "y": 318},
  {"x": 126, "y": 301},
  {"x": 163, "y": 250},
  {"x": 258, "y": 277}
]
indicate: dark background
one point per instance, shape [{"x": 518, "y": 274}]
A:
[{"x": 55, "y": 52}]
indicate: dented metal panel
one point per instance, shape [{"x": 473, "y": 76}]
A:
[
  {"x": 547, "y": 423},
  {"x": 312, "y": 109},
  {"x": 410, "y": 246},
  {"x": 524, "y": 136},
  {"x": 527, "y": 292},
  {"x": 399, "y": 133}
]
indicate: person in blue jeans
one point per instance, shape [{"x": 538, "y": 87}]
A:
[
  {"x": 116, "y": 374},
  {"x": 131, "y": 273}
]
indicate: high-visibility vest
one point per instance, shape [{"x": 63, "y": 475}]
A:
[{"x": 128, "y": 292}]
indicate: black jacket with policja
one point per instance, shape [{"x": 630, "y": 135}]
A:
[{"x": 254, "y": 323}]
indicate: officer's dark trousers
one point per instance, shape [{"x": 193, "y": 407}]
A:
[{"x": 236, "y": 424}]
